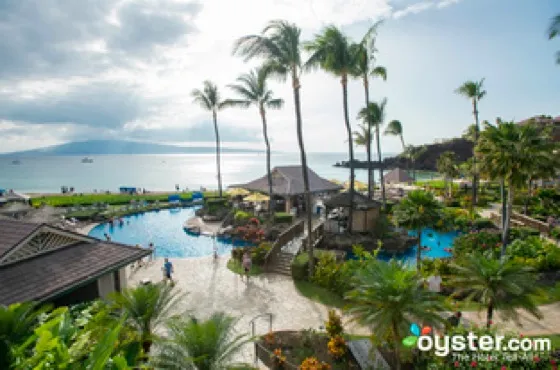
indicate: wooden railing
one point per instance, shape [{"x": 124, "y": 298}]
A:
[
  {"x": 518, "y": 218},
  {"x": 317, "y": 234},
  {"x": 283, "y": 239}
]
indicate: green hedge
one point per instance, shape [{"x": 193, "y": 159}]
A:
[
  {"x": 483, "y": 223},
  {"x": 555, "y": 233},
  {"x": 300, "y": 267},
  {"x": 523, "y": 232},
  {"x": 283, "y": 218},
  {"x": 116, "y": 199}
]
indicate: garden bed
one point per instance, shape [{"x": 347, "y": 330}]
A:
[{"x": 296, "y": 346}]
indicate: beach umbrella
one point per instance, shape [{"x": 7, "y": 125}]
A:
[
  {"x": 234, "y": 192},
  {"x": 257, "y": 197},
  {"x": 358, "y": 185}
]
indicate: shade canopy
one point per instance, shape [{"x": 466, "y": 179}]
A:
[
  {"x": 234, "y": 192},
  {"x": 257, "y": 197},
  {"x": 288, "y": 181}
]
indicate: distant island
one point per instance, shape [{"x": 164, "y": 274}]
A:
[{"x": 106, "y": 147}]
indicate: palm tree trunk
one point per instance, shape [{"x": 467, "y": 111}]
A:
[
  {"x": 268, "y": 170},
  {"x": 215, "y": 116},
  {"x": 419, "y": 250},
  {"x": 296, "y": 86},
  {"x": 350, "y": 151},
  {"x": 507, "y": 219},
  {"x": 371, "y": 180},
  {"x": 475, "y": 177},
  {"x": 526, "y": 205},
  {"x": 381, "y": 167},
  {"x": 489, "y": 315},
  {"x": 397, "y": 346}
]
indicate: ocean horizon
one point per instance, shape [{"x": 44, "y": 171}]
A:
[{"x": 156, "y": 172}]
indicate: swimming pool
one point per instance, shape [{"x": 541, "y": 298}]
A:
[
  {"x": 165, "y": 229},
  {"x": 436, "y": 241}
]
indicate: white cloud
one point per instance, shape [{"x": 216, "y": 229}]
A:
[
  {"x": 132, "y": 65},
  {"x": 414, "y": 9},
  {"x": 446, "y": 3}
]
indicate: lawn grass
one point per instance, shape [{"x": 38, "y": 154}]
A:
[
  {"x": 318, "y": 294},
  {"x": 235, "y": 266},
  {"x": 66, "y": 200}
]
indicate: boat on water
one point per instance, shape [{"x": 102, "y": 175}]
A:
[
  {"x": 17, "y": 161},
  {"x": 87, "y": 160}
]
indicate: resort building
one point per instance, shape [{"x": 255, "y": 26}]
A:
[
  {"x": 288, "y": 189},
  {"x": 39, "y": 262},
  {"x": 398, "y": 176},
  {"x": 364, "y": 216}
]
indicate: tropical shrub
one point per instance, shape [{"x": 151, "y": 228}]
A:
[
  {"x": 337, "y": 347},
  {"x": 334, "y": 324},
  {"x": 436, "y": 267},
  {"x": 555, "y": 232},
  {"x": 283, "y": 218},
  {"x": 483, "y": 223},
  {"x": 326, "y": 271},
  {"x": 241, "y": 217},
  {"x": 278, "y": 359},
  {"x": 533, "y": 251},
  {"x": 249, "y": 233},
  {"x": 523, "y": 232},
  {"x": 259, "y": 252},
  {"x": 311, "y": 363},
  {"x": 300, "y": 267},
  {"x": 478, "y": 241}
]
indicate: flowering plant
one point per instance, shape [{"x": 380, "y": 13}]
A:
[
  {"x": 334, "y": 324},
  {"x": 278, "y": 358},
  {"x": 311, "y": 363},
  {"x": 337, "y": 347}
]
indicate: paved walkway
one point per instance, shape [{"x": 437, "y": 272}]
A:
[
  {"x": 529, "y": 325},
  {"x": 211, "y": 287}
]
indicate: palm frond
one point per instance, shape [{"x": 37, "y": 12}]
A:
[
  {"x": 394, "y": 128},
  {"x": 235, "y": 103},
  {"x": 379, "y": 72},
  {"x": 554, "y": 28},
  {"x": 275, "y": 103}
]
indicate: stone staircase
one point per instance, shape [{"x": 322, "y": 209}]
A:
[{"x": 283, "y": 261}]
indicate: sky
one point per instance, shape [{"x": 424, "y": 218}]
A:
[{"x": 124, "y": 69}]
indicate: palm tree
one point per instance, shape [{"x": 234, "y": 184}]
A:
[
  {"x": 447, "y": 166},
  {"x": 414, "y": 153},
  {"x": 279, "y": 45},
  {"x": 498, "y": 285},
  {"x": 209, "y": 99},
  {"x": 375, "y": 113},
  {"x": 418, "y": 210},
  {"x": 145, "y": 308},
  {"x": 333, "y": 52},
  {"x": 553, "y": 31},
  {"x": 395, "y": 128},
  {"x": 474, "y": 91},
  {"x": 363, "y": 137},
  {"x": 388, "y": 298},
  {"x": 17, "y": 323},
  {"x": 200, "y": 345},
  {"x": 252, "y": 89},
  {"x": 365, "y": 68},
  {"x": 510, "y": 153}
]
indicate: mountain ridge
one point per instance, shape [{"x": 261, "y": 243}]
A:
[{"x": 115, "y": 147}]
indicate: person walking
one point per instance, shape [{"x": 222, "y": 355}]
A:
[
  {"x": 247, "y": 263},
  {"x": 167, "y": 270},
  {"x": 153, "y": 250}
]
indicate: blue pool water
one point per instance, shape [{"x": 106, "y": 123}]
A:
[
  {"x": 165, "y": 229},
  {"x": 437, "y": 242}
]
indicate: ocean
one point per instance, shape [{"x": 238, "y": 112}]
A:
[{"x": 154, "y": 172}]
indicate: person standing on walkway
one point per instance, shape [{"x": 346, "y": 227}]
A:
[
  {"x": 153, "y": 250},
  {"x": 247, "y": 263},
  {"x": 167, "y": 270}
]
